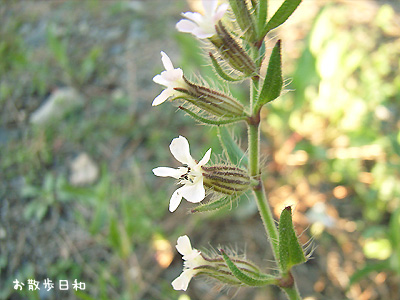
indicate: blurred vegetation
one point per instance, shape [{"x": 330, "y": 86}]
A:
[{"x": 332, "y": 139}]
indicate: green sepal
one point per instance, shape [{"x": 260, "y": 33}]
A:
[
  {"x": 261, "y": 280},
  {"x": 214, "y": 205},
  {"x": 290, "y": 251},
  {"x": 221, "y": 72},
  {"x": 281, "y": 15},
  {"x": 211, "y": 121},
  {"x": 235, "y": 154},
  {"x": 244, "y": 19},
  {"x": 273, "y": 81}
]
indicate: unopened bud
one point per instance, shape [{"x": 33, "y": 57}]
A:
[
  {"x": 226, "y": 179},
  {"x": 232, "y": 52}
]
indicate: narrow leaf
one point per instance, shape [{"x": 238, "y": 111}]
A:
[
  {"x": 290, "y": 251},
  {"x": 262, "y": 14},
  {"x": 281, "y": 15},
  {"x": 221, "y": 72},
  {"x": 273, "y": 81},
  {"x": 235, "y": 154},
  {"x": 246, "y": 279}
]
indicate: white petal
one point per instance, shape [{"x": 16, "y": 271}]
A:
[
  {"x": 185, "y": 26},
  {"x": 180, "y": 150},
  {"x": 209, "y": 6},
  {"x": 220, "y": 12},
  {"x": 203, "y": 33},
  {"x": 165, "y": 94},
  {"x": 193, "y": 193},
  {"x": 172, "y": 76},
  {"x": 181, "y": 283},
  {"x": 169, "y": 172},
  {"x": 159, "y": 79},
  {"x": 183, "y": 245},
  {"x": 205, "y": 158},
  {"x": 166, "y": 61},
  {"x": 175, "y": 200},
  {"x": 194, "y": 16}
]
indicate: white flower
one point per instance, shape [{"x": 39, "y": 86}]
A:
[
  {"x": 171, "y": 78},
  {"x": 190, "y": 175},
  {"x": 203, "y": 26},
  {"x": 192, "y": 259}
]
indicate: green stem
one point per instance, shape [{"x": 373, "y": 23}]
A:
[
  {"x": 258, "y": 190},
  {"x": 292, "y": 292}
]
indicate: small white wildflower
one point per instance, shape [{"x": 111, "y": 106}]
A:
[
  {"x": 203, "y": 26},
  {"x": 192, "y": 259},
  {"x": 171, "y": 78},
  {"x": 190, "y": 175}
]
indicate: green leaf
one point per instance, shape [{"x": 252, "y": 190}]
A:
[
  {"x": 273, "y": 81},
  {"x": 235, "y": 154},
  {"x": 246, "y": 279},
  {"x": 262, "y": 14},
  {"x": 281, "y": 15},
  {"x": 290, "y": 251}
]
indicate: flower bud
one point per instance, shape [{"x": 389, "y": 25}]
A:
[
  {"x": 224, "y": 179},
  {"x": 213, "y": 102},
  {"x": 232, "y": 52}
]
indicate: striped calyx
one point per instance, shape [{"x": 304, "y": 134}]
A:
[
  {"x": 227, "y": 180},
  {"x": 213, "y": 102},
  {"x": 232, "y": 52}
]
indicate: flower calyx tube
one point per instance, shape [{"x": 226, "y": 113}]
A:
[
  {"x": 213, "y": 266},
  {"x": 213, "y": 102},
  {"x": 244, "y": 19},
  {"x": 230, "y": 51},
  {"x": 228, "y": 180},
  {"x": 227, "y": 183}
]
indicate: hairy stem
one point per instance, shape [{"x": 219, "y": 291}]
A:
[{"x": 258, "y": 190}]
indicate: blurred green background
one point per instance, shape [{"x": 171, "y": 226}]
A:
[{"x": 78, "y": 140}]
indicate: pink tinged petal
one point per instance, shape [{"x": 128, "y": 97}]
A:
[
  {"x": 194, "y": 192},
  {"x": 183, "y": 245},
  {"x": 175, "y": 200},
  {"x": 172, "y": 76},
  {"x": 181, "y": 283},
  {"x": 159, "y": 79},
  {"x": 209, "y": 6},
  {"x": 220, "y": 12},
  {"x": 179, "y": 148},
  {"x": 194, "y": 16},
  {"x": 169, "y": 172},
  {"x": 205, "y": 158},
  {"x": 165, "y": 94},
  {"x": 166, "y": 61},
  {"x": 201, "y": 33},
  {"x": 185, "y": 26}
]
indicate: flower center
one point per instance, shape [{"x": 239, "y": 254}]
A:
[{"x": 189, "y": 176}]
